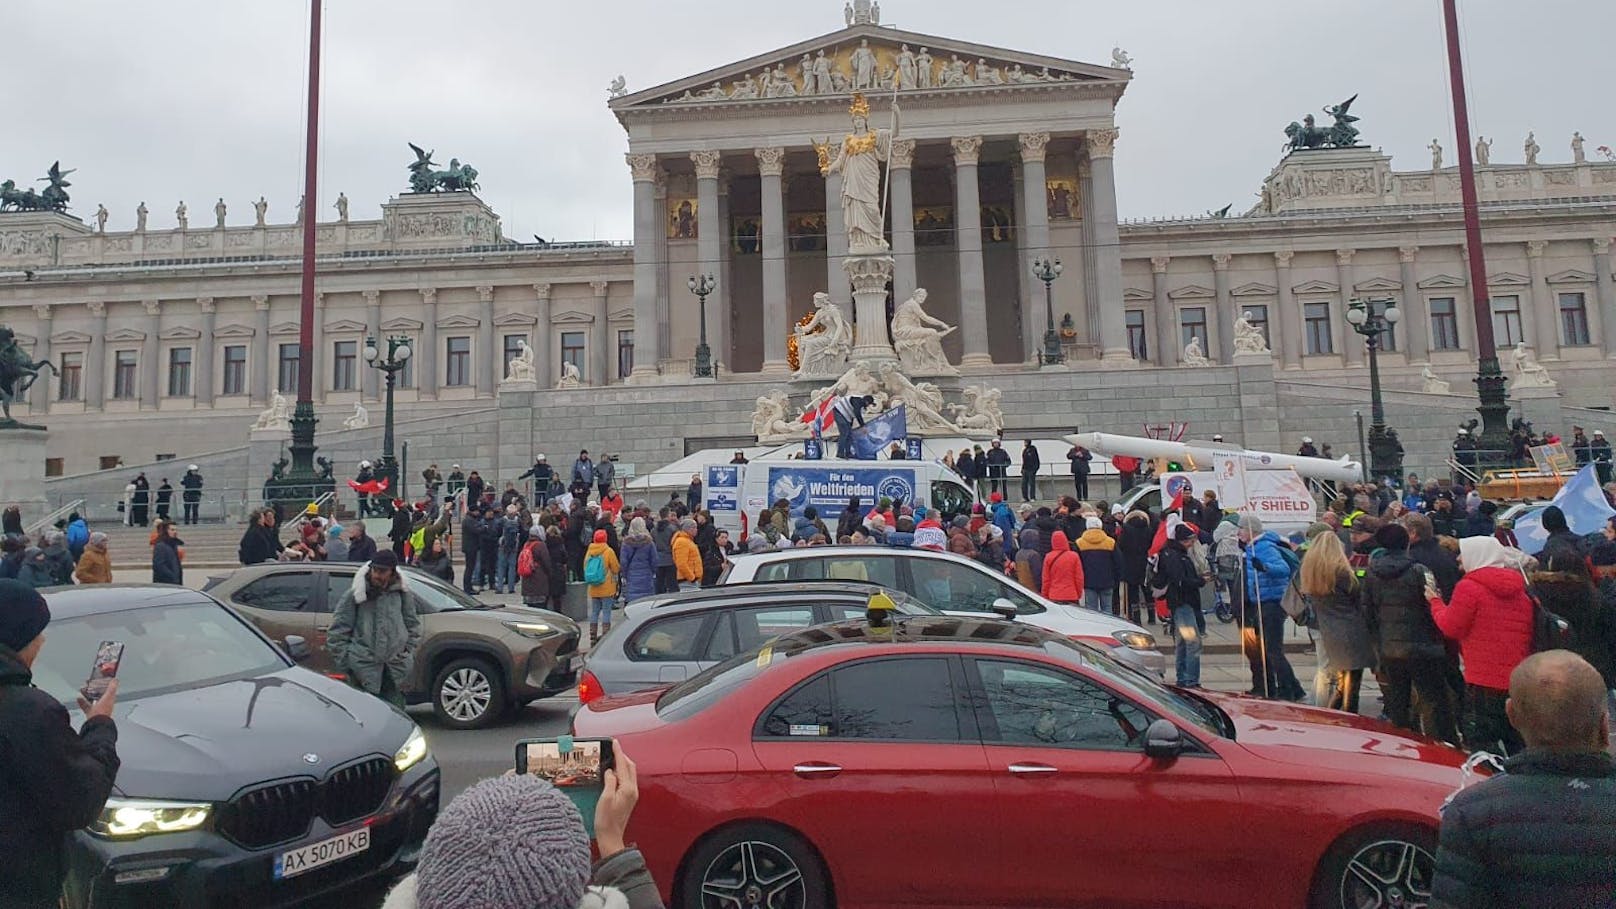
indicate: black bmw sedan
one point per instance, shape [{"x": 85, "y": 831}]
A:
[{"x": 246, "y": 780}]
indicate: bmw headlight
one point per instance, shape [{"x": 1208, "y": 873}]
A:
[
  {"x": 1137, "y": 640},
  {"x": 531, "y": 629},
  {"x": 412, "y": 752},
  {"x": 130, "y": 818}
]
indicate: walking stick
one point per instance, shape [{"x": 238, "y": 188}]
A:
[{"x": 1262, "y": 637}]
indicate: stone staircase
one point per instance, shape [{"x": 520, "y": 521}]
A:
[{"x": 209, "y": 549}]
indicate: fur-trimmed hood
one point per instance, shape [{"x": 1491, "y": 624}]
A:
[{"x": 360, "y": 589}]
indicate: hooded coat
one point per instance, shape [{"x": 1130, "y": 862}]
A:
[
  {"x": 1029, "y": 564},
  {"x": 1267, "y": 570},
  {"x": 94, "y": 567},
  {"x": 536, "y": 586},
  {"x": 166, "y": 565},
  {"x": 1592, "y": 618},
  {"x": 1063, "y": 571},
  {"x": 1396, "y": 609},
  {"x": 373, "y": 636},
  {"x": 608, "y": 587},
  {"x": 639, "y": 567},
  {"x": 1490, "y": 615},
  {"x": 1133, "y": 545},
  {"x": 1102, "y": 560}
]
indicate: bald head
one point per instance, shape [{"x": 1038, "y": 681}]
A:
[{"x": 1557, "y": 702}]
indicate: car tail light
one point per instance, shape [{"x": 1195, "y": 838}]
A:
[{"x": 589, "y": 689}]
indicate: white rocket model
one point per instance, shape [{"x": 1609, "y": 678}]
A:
[{"x": 1201, "y": 454}]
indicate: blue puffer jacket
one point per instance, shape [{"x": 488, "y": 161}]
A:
[
  {"x": 639, "y": 565},
  {"x": 1005, "y": 521},
  {"x": 1267, "y": 570}
]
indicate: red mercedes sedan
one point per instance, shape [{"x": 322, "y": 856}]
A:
[{"x": 951, "y": 762}]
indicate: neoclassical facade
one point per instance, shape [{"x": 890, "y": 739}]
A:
[{"x": 168, "y": 338}]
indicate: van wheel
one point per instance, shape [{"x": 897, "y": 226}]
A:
[
  {"x": 468, "y": 693},
  {"x": 1382, "y": 865},
  {"x": 754, "y": 865}
]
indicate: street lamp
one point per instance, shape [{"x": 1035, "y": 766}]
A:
[
  {"x": 1047, "y": 271},
  {"x": 1373, "y": 318},
  {"x": 398, "y": 354},
  {"x": 701, "y": 286}
]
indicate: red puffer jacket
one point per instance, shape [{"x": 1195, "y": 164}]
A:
[
  {"x": 1491, "y": 618},
  {"x": 1063, "y": 571}
]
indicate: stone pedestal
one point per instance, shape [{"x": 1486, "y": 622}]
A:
[
  {"x": 433, "y": 220},
  {"x": 1254, "y": 359},
  {"x": 870, "y": 274},
  {"x": 22, "y": 471},
  {"x": 514, "y": 386}
]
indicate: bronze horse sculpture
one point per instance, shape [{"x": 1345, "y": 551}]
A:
[{"x": 17, "y": 372}]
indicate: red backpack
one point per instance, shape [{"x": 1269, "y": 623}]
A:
[{"x": 524, "y": 562}]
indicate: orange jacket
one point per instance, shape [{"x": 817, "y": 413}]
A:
[
  {"x": 1063, "y": 571},
  {"x": 686, "y": 558}
]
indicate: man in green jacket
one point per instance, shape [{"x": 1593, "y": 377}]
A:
[{"x": 375, "y": 630}]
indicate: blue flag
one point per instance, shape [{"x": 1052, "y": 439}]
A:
[
  {"x": 879, "y": 432},
  {"x": 1584, "y": 505}
]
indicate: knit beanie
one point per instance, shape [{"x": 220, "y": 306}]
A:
[
  {"x": 511, "y": 842},
  {"x": 1093, "y": 524},
  {"x": 600, "y": 536},
  {"x": 1251, "y": 524},
  {"x": 1393, "y": 537},
  {"x": 23, "y": 614}
]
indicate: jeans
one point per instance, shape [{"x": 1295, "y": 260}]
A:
[
  {"x": 600, "y": 610},
  {"x": 1486, "y": 726},
  {"x": 844, "y": 435},
  {"x": 505, "y": 572},
  {"x": 1099, "y": 600},
  {"x": 1188, "y": 628},
  {"x": 1029, "y": 487},
  {"x": 667, "y": 579},
  {"x": 1424, "y": 676},
  {"x": 1080, "y": 486},
  {"x": 1337, "y": 690}
]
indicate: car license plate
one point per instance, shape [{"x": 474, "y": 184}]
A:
[{"x": 315, "y": 855}]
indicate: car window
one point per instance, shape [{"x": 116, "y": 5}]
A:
[
  {"x": 804, "y": 712},
  {"x": 668, "y": 640},
  {"x": 774, "y": 571},
  {"x": 947, "y": 584},
  {"x": 1038, "y": 705},
  {"x": 337, "y": 584},
  {"x": 754, "y": 626},
  {"x": 166, "y": 648},
  {"x": 280, "y": 592},
  {"x": 850, "y": 611},
  {"x": 721, "y": 646},
  {"x": 874, "y": 569},
  {"x": 430, "y": 598},
  {"x": 950, "y": 498},
  {"x": 806, "y": 569},
  {"x": 907, "y": 698}
]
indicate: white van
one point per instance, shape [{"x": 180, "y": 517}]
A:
[
  {"x": 1280, "y": 498},
  {"x": 731, "y": 490}
]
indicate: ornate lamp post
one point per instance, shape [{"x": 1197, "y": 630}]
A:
[
  {"x": 1373, "y": 318},
  {"x": 701, "y": 286},
  {"x": 398, "y": 354},
  {"x": 1047, "y": 271}
]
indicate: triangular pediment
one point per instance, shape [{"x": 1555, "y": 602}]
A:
[
  {"x": 70, "y": 337},
  {"x": 1572, "y": 276},
  {"x": 1508, "y": 279},
  {"x": 1192, "y": 292},
  {"x": 283, "y": 328},
  {"x": 1442, "y": 282},
  {"x": 179, "y": 333},
  {"x": 401, "y": 324},
  {"x": 344, "y": 326},
  {"x": 1137, "y": 295},
  {"x": 516, "y": 320},
  {"x": 572, "y": 318},
  {"x": 27, "y": 340},
  {"x": 1255, "y": 289},
  {"x": 625, "y": 314},
  {"x": 1316, "y": 287},
  {"x": 1377, "y": 285},
  {"x": 1011, "y": 70},
  {"x": 126, "y": 334},
  {"x": 458, "y": 320},
  {"x": 234, "y": 331}
]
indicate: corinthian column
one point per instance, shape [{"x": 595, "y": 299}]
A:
[
  {"x": 709, "y": 240},
  {"x": 1545, "y": 315},
  {"x": 1290, "y": 321},
  {"x": 968, "y": 230},
  {"x": 1416, "y": 321},
  {"x": 543, "y": 340},
  {"x": 1165, "y": 318},
  {"x": 1607, "y": 294},
  {"x": 836, "y": 281},
  {"x": 1035, "y": 235},
  {"x": 647, "y": 235},
  {"x": 1225, "y": 304},
  {"x": 150, "y": 353},
  {"x": 1108, "y": 247},
  {"x": 370, "y": 386},
  {"x": 904, "y": 278},
  {"x": 489, "y": 368},
  {"x": 598, "y": 369},
  {"x": 771, "y": 171},
  {"x": 261, "y": 353},
  {"x": 426, "y": 366},
  {"x": 95, "y": 370},
  {"x": 1343, "y": 276},
  {"x": 39, "y": 396}
]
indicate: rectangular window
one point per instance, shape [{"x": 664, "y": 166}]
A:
[
  {"x": 1316, "y": 320},
  {"x": 1444, "y": 323},
  {"x": 53, "y": 467},
  {"x": 110, "y": 462},
  {"x": 287, "y": 381},
  {"x": 1507, "y": 322},
  {"x": 406, "y": 376},
  {"x": 513, "y": 349},
  {"x": 70, "y": 377},
  {"x": 235, "y": 369},
  {"x": 458, "y": 362},
  {"x": 625, "y": 352},
  {"x": 1259, "y": 320},
  {"x": 179, "y": 372},
  {"x": 1192, "y": 324},
  {"x": 344, "y": 365},
  {"x": 572, "y": 349},
  {"x": 1573, "y": 320},
  {"x": 1136, "y": 334},
  {"x": 124, "y": 365}
]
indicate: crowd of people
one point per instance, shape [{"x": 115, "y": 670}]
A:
[{"x": 64, "y": 554}]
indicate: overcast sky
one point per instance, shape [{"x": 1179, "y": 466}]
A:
[{"x": 165, "y": 100}]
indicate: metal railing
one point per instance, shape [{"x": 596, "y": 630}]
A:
[
  {"x": 326, "y": 498},
  {"x": 50, "y": 519}
]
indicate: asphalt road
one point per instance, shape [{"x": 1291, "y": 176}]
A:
[{"x": 466, "y": 756}]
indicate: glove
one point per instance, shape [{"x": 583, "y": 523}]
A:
[{"x": 1162, "y": 612}]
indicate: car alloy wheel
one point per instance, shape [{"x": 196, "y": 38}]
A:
[
  {"x": 1388, "y": 874},
  {"x": 753, "y": 875},
  {"x": 467, "y": 694}
]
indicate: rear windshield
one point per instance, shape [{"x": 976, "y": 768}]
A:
[{"x": 699, "y": 692}]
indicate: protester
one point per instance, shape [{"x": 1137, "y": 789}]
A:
[
  {"x": 11, "y": 521},
  {"x": 1346, "y": 647},
  {"x": 601, "y": 572},
  {"x": 166, "y": 565},
  {"x": 512, "y": 533},
  {"x": 165, "y": 499},
  {"x": 375, "y": 630},
  {"x": 78, "y": 535},
  {"x": 1268, "y": 564},
  {"x": 1491, "y": 616},
  {"x": 1542, "y": 833},
  {"x": 1561, "y": 538},
  {"x": 1567, "y": 589},
  {"x": 261, "y": 542},
  {"x": 1030, "y": 464},
  {"x": 1081, "y": 459},
  {"x": 605, "y": 474},
  {"x": 1180, "y": 585},
  {"x": 1062, "y": 579},
  {"x": 436, "y": 561},
  {"x": 95, "y": 565},
  {"x": 686, "y": 557},
  {"x": 1133, "y": 545},
  {"x": 53, "y": 780},
  {"x": 1102, "y": 566},
  {"x": 34, "y": 570},
  {"x": 361, "y": 547},
  {"x": 1413, "y": 658},
  {"x": 139, "y": 501},
  {"x": 998, "y": 463},
  {"x": 639, "y": 563},
  {"x": 533, "y": 569},
  {"x": 58, "y": 561},
  {"x": 556, "y": 546}
]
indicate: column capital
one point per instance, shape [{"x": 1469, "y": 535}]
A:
[
  {"x": 206, "y": 304},
  {"x": 429, "y": 295},
  {"x": 967, "y": 150},
  {"x": 1344, "y": 256},
  {"x": 260, "y": 302},
  {"x": 319, "y": 299},
  {"x": 372, "y": 297},
  {"x": 485, "y": 293},
  {"x": 42, "y": 311},
  {"x": 541, "y": 291},
  {"x": 1406, "y": 254},
  {"x": 1033, "y": 146},
  {"x": 1535, "y": 248},
  {"x": 644, "y": 167},
  {"x": 1601, "y": 245},
  {"x": 1102, "y": 143},
  {"x": 600, "y": 287},
  {"x": 706, "y": 164},
  {"x": 1158, "y": 264},
  {"x": 1282, "y": 258},
  {"x": 97, "y": 309},
  {"x": 1220, "y": 261},
  {"x": 903, "y": 154},
  {"x": 771, "y": 161},
  {"x": 152, "y": 307}
]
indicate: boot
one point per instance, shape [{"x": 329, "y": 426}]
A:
[
  {"x": 593, "y": 632},
  {"x": 604, "y": 629}
]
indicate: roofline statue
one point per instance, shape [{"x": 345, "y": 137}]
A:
[
  {"x": 423, "y": 179},
  {"x": 53, "y": 198},
  {"x": 1342, "y": 134}
]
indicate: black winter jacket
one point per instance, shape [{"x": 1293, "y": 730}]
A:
[
  {"x": 1541, "y": 834},
  {"x": 52, "y": 781},
  {"x": 1592, "y": 617},
  {"x": 362, "y": 549},
  {"x": 165, "y": 562},
  {"x": 1397, "y": 612},
  {"x": 1442, "y": 563},
  {"x": 1177, "y": 577},
  {"x": 259, "y": 544}
]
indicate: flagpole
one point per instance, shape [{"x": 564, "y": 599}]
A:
[{"x": 892, "y": 136}]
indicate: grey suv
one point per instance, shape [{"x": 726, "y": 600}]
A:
[{"x": 666, "y": 639}]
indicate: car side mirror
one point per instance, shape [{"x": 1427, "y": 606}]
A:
[
  {"x": 296, "y": 647},
  {"x": 1004, "y": 609},
  {"x": 1163, "y": 741}
]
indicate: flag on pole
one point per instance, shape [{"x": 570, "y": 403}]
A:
[
  {"x": 1585, "y": 508},
  {"x": 821, "y": 416},
  {"x": 1170, "y": 518},
  {"x": 878, "y": 432}
]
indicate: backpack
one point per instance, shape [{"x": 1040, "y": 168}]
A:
[
  {"x": 510, "y": 533},
  {"x": 1549, "y": 631},
  {"x": 524, "y": 562},
  {"x": 595, "y": 569}
]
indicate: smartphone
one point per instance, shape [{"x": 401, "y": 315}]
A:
[
  {"x": 104, "y": 670},
  {"x": 575, "y": 766}
]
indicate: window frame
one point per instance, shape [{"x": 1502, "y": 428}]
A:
[
  {"x": 125, "y": 375},
  {"x": 345, "y": 365},
  {"x": 1261, "y": 324},
  {"x": 965, "y": 716},
  {"x": 287, "y": 367},
  {"x": 1514, "y": 329},
  {"x": 1582, "y": 336},
  {"x": 1444, "y": 325},
  {"x": 1196, "y": 329},
  {"x": 512, "y": 350},
  {"x": 576, "y": 354},
  {"x": 179, "y": 373},
  {"x": 699, "y": 642},
  {"x": 986, "y": 720},
  {"x": 312, "y": 593},
  {"x": 70, "y": 376},
  {"x": 457, "y": 363},
  {"x": 229, "y": 366},
  {"x": 625, "y": 352},
  {"x": 1138, "y": 333},
  {"x": 1313, "y": 324}
]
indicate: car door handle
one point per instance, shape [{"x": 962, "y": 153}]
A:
[
  {"x": 813, "y": 769},
  {"x": 1032, "y": 769}
]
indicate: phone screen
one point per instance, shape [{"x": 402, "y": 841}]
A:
[
  {"x": 103, "y": 671},
  {"x": 575, "y": 766}
]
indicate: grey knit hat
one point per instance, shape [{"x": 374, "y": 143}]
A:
[{"x": 511, "y": 842}]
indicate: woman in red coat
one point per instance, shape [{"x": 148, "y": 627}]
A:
[
  {"x": 1063, "y": 572},
  {"x": 1491, "y": 618}
]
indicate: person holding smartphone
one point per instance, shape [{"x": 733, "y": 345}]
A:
[{"x": 54, "y": 780}]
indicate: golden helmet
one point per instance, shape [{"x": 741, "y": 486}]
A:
[{"x": 860, "y": 106}]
